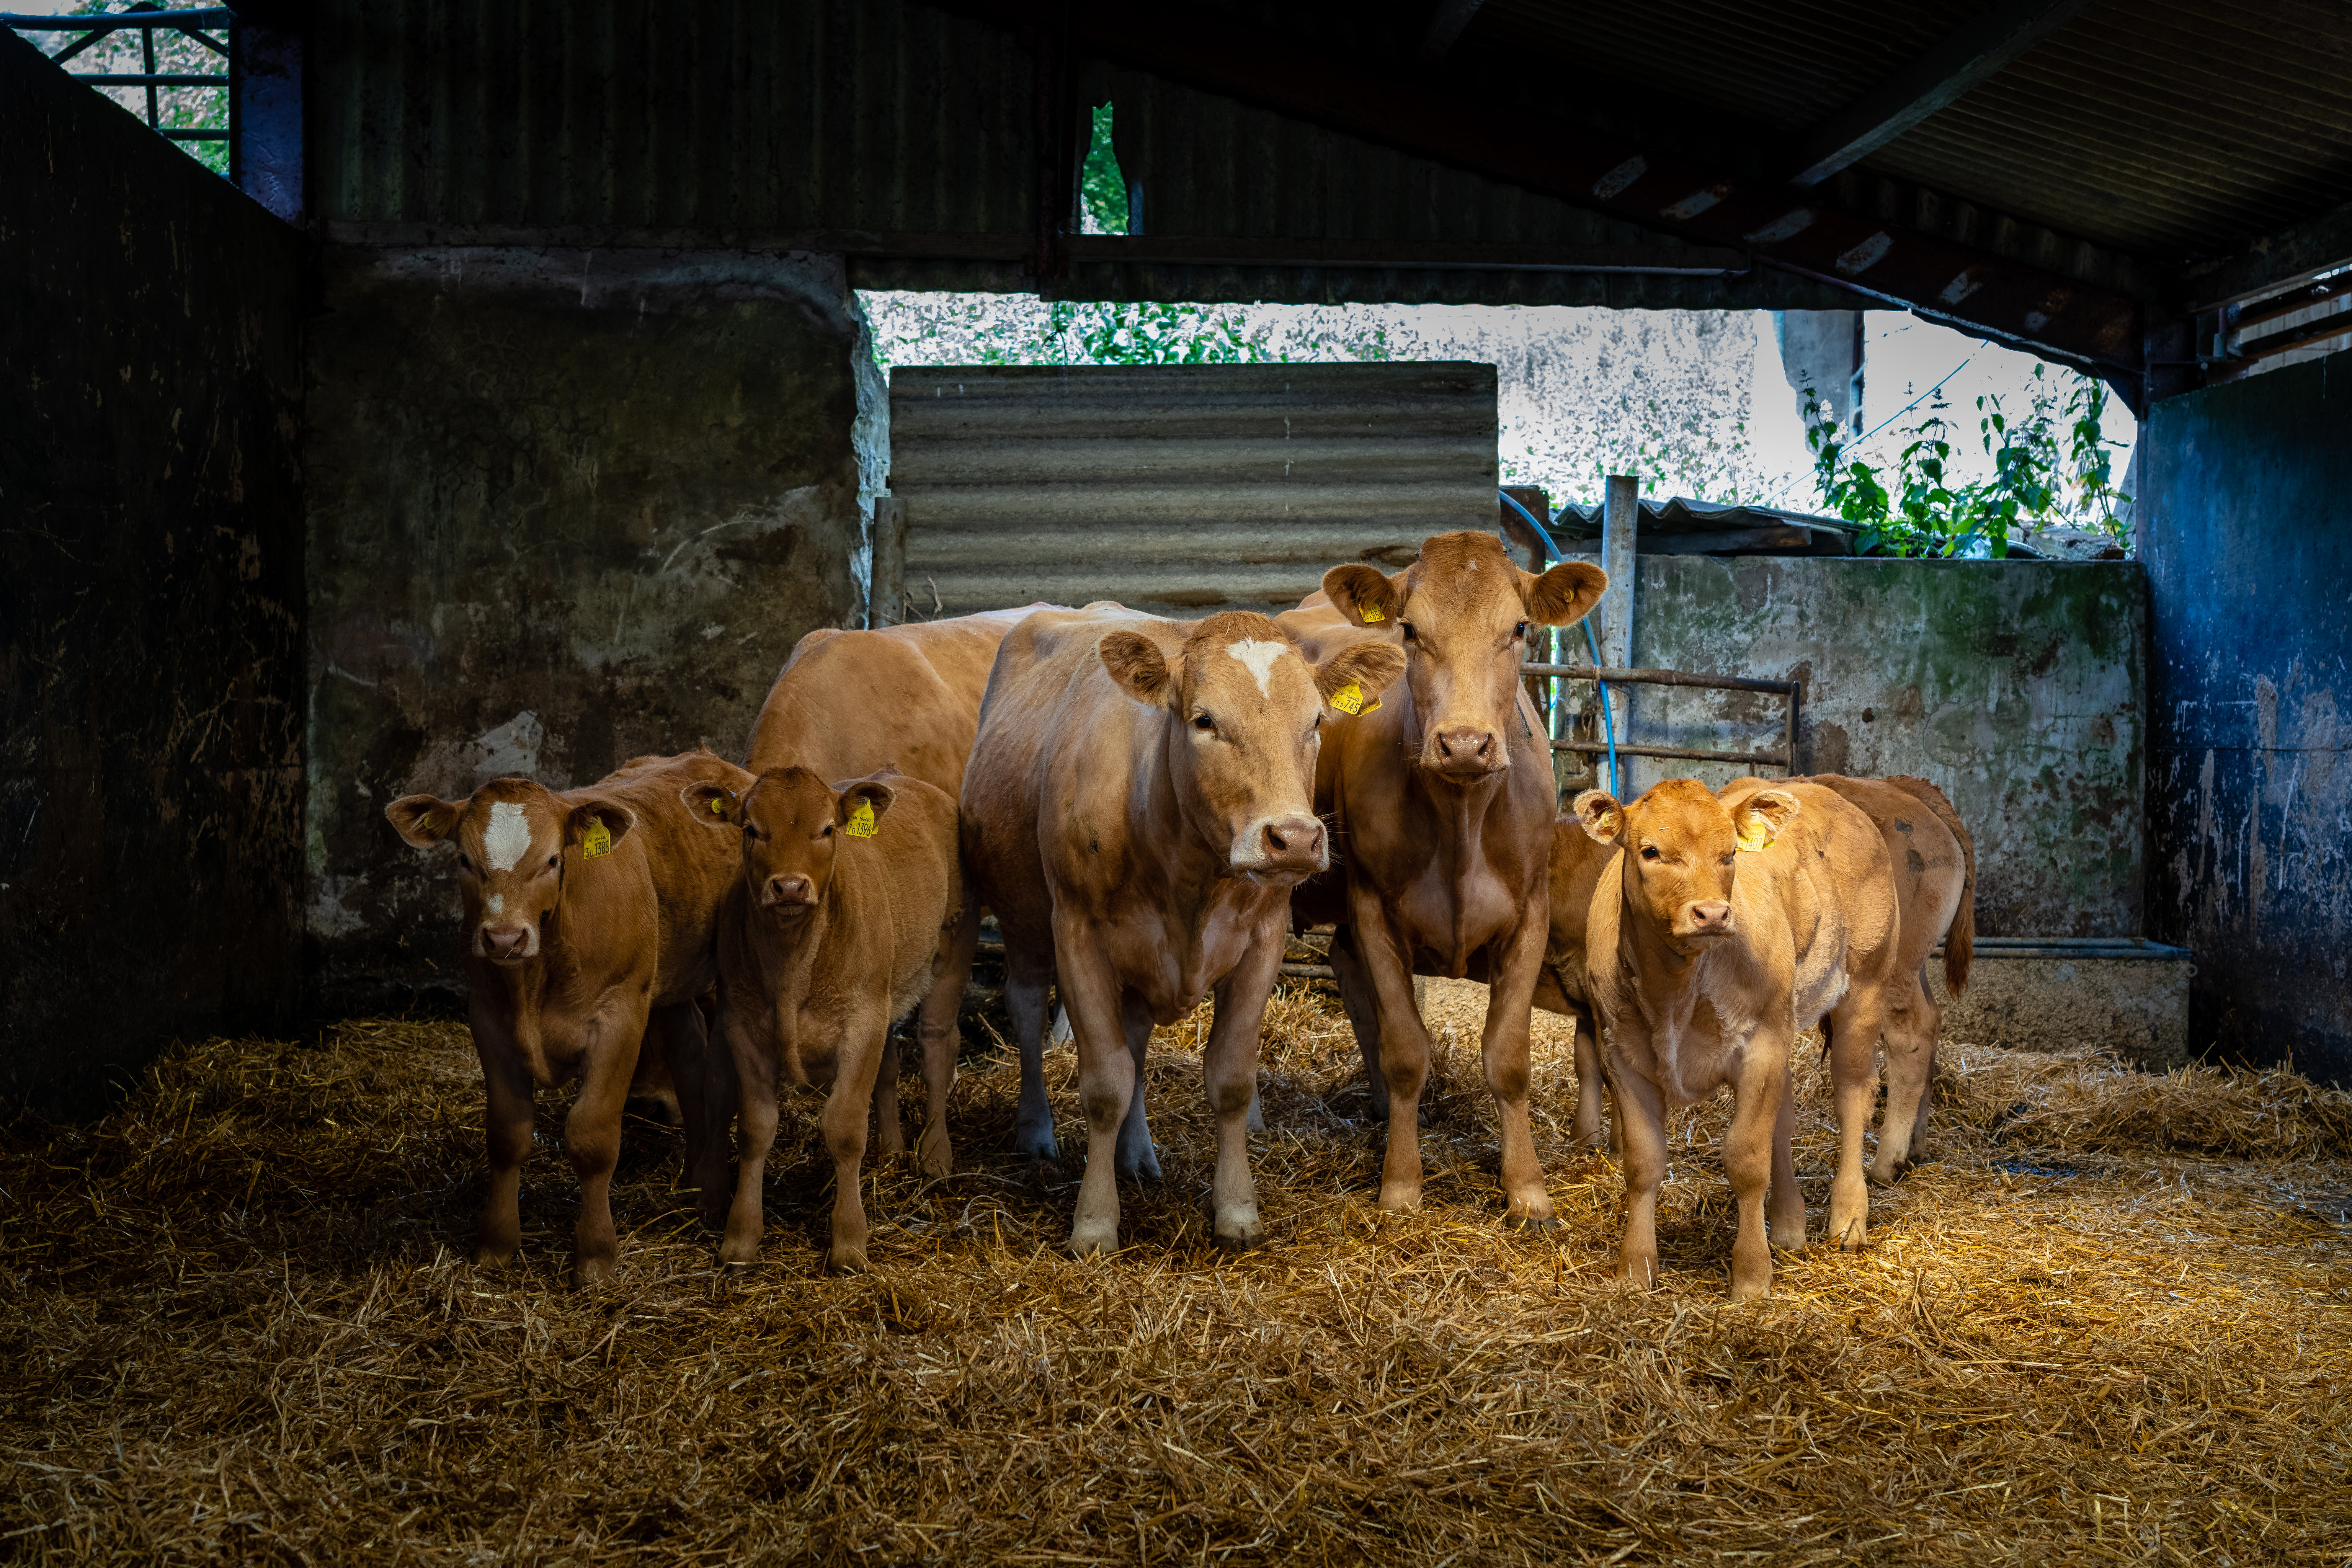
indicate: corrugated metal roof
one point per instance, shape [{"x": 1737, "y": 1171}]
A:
[
  {"x": 2164, "y": 127},
  {"x": 1179, "y": 489}
]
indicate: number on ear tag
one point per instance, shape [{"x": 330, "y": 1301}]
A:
[
  {"x": 861, "y": 821},
  {"x": 597, "y": 840},
  {"x": 1755, "y": 834},
  {"x": 1372, "y": 613},
  {"x": 1350, "y": 698}
]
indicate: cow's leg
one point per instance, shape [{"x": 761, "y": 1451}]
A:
[
  {"x": 1857, "y": 1020},
  {"x": 1504, "y": 1051},
  {"x": 1138, "y": 1161},
  {"x": 1748, "y": 1158},
  {"x": 1586, "y": 1130},
  {"x": 591, "y": 1134},
  {"x": 1107, "y": 1075},
  {"x": 1641, "y": 1124},
  {"x": 1785, "y": 1215},
  {"x": 755, "y": 1082},
  {"x": 935, "y": 1026},
  {"x": 507, "y": 1136},
  {"x": 654, "y": 1091},
  {"x": 889, "y": 1137},
  {"x": 867, "y": 1047},
  {"x": 1404, "y": 1054},
  {"x": 1363, "y": 1014},
  {"x": 706, "y": 1098},
  {"x": 1229, "y": 1073},
  {"x": 1913, "y": 1021},
  {"x": 1026, "y": 981}
]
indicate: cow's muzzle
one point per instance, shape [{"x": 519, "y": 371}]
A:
[
  {"x": 1284, "y": 850},
  {"x": 788, "y": 893},
  {"x": 508, "y": 945},
  {"x": 1465, "y": 752},
  {"x": 1704, "y": 920}
]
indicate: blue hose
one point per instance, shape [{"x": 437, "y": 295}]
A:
[{"x": 1608, "y": 725}]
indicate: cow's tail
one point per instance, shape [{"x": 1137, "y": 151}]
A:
[{"x": 1960, "y": 937}]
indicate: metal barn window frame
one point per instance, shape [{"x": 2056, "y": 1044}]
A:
[{"x": 146, "y": 17}]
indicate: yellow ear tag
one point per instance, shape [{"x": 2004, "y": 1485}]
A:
[
  {"x": 861, "y": 821},
  {"x": 1350, "y": 698},
  {"x": 1372, "y": 614},
  {"x": 714, "y": 807},
  {"x": 1755, "y": 834},
  {"x": 597, "y": 840}
]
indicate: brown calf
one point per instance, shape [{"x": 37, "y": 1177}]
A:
[
  {"x": 1726, "y": 930},
  {"x": 1442, "y": 802},
  {"x": 1139, "y": 804},
  {"x": 589, "y": 916},
  {"x": 839, "y": 924},
  {"x": 906, "y": 697}
]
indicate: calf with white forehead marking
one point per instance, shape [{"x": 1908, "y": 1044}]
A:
[
  {"x": 1440, "y": 789},
  {"x": 1139, "y": 804},
  {"x": 589, "y": 919}
]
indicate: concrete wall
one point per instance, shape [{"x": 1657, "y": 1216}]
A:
[
  {"x": 566, "y": 507},
  {"x": 151, "y": 593},
  {"x": 2247, "y": 532},
  {"x": 2015, "y": 686}
]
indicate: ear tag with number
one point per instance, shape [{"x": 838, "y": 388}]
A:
[
  {"x": 597, "y": 840},
  {"x": 1372, "y": 613},
  {"x": 1350, "y": 698},
  {"x": 861, "y": 821},
  {"x": 1755, "y": 834}
]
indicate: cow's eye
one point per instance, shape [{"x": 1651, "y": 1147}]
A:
[
  {"x": 1406, "y": 627},
  {"x": 827, "y": 832},
  {"x": 1519, "y": 632},
  {"x": 463, "y": 862},
  {"x": 1649, "y": 851},
  {"x": 1727, "y": 859},
  {"x": 552, "y": 860},
  {"x": 1203, "y": 723}
]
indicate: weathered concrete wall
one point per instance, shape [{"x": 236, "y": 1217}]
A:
[
  {"x": 2136, "y": 1007},
  {"x": 566, "y": 507},
  {"x": 2017, "y": 687},
  {"x": 2247, "y": 533},
  {"x": 150, "y": 591}
]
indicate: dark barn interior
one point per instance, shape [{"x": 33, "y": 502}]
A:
[{"x": 511, "y": 410}]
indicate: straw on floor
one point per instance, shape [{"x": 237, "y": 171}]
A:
[{"x": 2111, "y": 1320}]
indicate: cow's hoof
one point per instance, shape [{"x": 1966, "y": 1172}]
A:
[
  {"x": 1530, "y": 1221},
  {"x": 1143, "y": 1168},
  {"x": 937, "y": 1155},
  {"x": 591, "y": 1272},
  {"x": 490, "y": 1256},
  {"x": 1088, "y": 1239},
  {"x": 840, "y": 1259},
  {"x": 1753, "y": 1291},
  {"x": 1238, "y": 1235},
  {"x": 1037, "y": 1143}
]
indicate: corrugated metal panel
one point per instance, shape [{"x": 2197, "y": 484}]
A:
[{"x": 1179, "y": 489}]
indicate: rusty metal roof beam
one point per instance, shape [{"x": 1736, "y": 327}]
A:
[
  {"x": 1600, "y": 171},
  {"x": 1446, "y": 25},
  {"x": 1978, "y": 51}
]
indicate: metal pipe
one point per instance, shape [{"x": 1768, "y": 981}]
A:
[
  {"x": 1662, "y": 677},
  {"x": 1621, "y": 523},
  {"x": 1678, "y": 753}
]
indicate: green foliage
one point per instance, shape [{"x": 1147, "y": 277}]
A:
[
  {"x": 176, "y": 53},
  {"x": 2054, "y": 467},
  {"x": 1102, "y": 188},
  {"x": 963, "y": 328}
]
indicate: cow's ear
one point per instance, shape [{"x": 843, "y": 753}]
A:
[
  {"x": 598, "y": 821},
  {"x": 865, "y": 792},
  {"x": 713, "y": 805},
  {"x": 1135, "y": 662},
  {"x": 424, "y": 820},
  {"x": 1371, "y": 667},
  {"x": 1764, "y": 816},
  {"x": 1566, "y": 594},
  {"x": 1363, "y": 595},
  {"x": 1602, "y": 817}
]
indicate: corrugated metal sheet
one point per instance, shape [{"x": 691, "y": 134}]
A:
[
  {"x": 1179, "y": 489},
  {"x": 2162, "y": 128}
]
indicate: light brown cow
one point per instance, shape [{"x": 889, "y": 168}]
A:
[
  {"x": 1442, "y": 802},
  {"x": 1726, "y": 930},
  {"x": 1578, "y": 864},
  {"x": 589, "y": 915},
  {"x": 849, "y": 704},
  {"x": 1934, "y": 861},
  {"x": 1138, "y": 805},
  {"x": 840, "y": 924}
]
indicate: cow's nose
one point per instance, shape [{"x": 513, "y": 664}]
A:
[
  {"x": 1465, "y": 748},
  {"x": 786, "y": 890},
  {"x": 1293, "y": 841},
  {"x": 503, "y": 941},
  {"x": 1711, "y": 916}
]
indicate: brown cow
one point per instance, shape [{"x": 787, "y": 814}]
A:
[
  {"x": 1578, "y": 864},
  {"x": 1934, "y": 861},
  {"x": 1726, "y": 930},
  {"x": 848, "y": 704},
  {"x": 841, "y": 923},
  {"x": 1442, "y": 801},
  {"x": 589, "y": 915},
  {"x": 1137, "y": 807}
]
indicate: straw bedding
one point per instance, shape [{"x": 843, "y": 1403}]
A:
[{"x": 2111, "y": 1320}]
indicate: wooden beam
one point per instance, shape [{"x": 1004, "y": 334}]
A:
[
  {"x": 1664, "y": 260},
  {"x": 1445, "y": 27},
  {"x": 2276, "y": 261},
  {"x": 1607, "y": 172},
  {"x": 1978, "y": 51}
]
